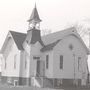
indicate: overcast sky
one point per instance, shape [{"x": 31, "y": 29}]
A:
[{"x": 55, "y": 14}]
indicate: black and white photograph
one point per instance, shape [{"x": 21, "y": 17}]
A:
[{"x": 44, "y": 44}]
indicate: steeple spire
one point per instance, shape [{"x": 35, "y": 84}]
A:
[
  {"x": 34, "y": 18},
  {"x": 35, "y": 4}
]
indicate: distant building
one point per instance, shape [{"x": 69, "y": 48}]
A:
[{"x": 52, "y": 60}]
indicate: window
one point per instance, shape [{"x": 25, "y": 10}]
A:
[
  {"x": 9, "y": 80},
  {"x": 71, "y": 47},
  {"x": 36, "y": 58},
  {"x": 5, "y": 64},
  {"x": 79, "y": 60},
  {"x": 15, "y": 61},
  {"x": 59, "y": 82},
  {"x": 15, "y": 82},
  {"x": 61, "y": 61},
  {"x": 47, "y": 60},
  {"x": 10, "y": 43},
  {"x": 25, "y": 61}
]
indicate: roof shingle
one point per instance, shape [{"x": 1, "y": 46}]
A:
[
  {"x": 49, "y": 46},
  {"x": 18, "y": 38},
  {"x": 34, "y": 16}
]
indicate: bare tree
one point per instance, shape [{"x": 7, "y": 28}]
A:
[
  {"x": 83, "y": 30},
  {"x": 45, "y": 31}
]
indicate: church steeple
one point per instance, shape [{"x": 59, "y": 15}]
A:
[
  {"x": 33, "y": 34},
  {"x": 34, "y": 21}
]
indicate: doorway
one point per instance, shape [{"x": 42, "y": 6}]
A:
[
  {"x": 40, "y": 68},
  {"x": 15, "y": 82}
]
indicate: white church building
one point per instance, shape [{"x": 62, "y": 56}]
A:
[{"x": 53, "y": 60}]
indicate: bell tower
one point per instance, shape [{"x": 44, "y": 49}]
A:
[
  {"x": 33, "y": 33},
  {"x": 34, "y": 21}
]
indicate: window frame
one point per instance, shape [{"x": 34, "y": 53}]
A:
[
  {"x": 61, "y": 62},
  {"x": 15, "y": 59},
  {"x": 47, "y": 61},
  {"x": 5, "y": 66},
  {"x": 25, "y": 61},
  {"x": 79, "y": 62}
]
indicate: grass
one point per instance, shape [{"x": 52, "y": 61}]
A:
[{"x": 8, "y": 87}]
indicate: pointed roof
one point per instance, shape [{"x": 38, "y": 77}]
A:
[
  {"x": 18, "y": 38},
  {"x": 34, "y": 16},
  {"x": 53, "y": 37},
  {"x": 49, "y": 46}
]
